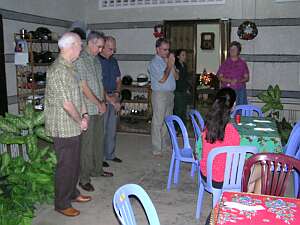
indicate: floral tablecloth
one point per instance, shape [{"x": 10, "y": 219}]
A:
[
  {"x": 259, "y": 132},
  {"x": 245, "y": 208}
]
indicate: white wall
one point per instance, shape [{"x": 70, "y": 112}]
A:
[
  {"x": 273, "y": 40},
  {"x": 133, "y": 41},
  {"x": 208, "y": 59}
]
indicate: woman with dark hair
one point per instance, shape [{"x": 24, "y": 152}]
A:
[
  {"x": 182, "y": 86},
  {"x": 219, "y": 132},
  {"x": 234, "y": 73}
]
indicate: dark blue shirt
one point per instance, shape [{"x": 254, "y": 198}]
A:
[{"x": 110, "y": 73}]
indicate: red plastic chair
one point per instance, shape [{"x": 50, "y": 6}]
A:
[{"x": 276, "y": 169}]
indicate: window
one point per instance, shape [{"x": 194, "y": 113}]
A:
[{"x": 119, "y": 4}]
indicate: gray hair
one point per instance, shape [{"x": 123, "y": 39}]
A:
[
  {"x": 67, "y": 40},
  {"x": 95, "y": 35},
  {"x": 110, "y": 38}
]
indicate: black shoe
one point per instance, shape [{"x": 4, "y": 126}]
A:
[
  {"x": 116, "y": 160},
  {"x": 87, "y": 187},
  {"x": 105, "y": 164}
]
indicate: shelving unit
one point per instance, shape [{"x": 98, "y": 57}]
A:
[
  {"x": 135, "y": 115},
  {"x": 29, "y": 90}
]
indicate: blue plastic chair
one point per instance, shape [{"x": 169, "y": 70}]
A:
[
  {"x": 293, "y": 149},
  {"x": 179, "y": 155},
  {"x": 198, "y": 124},
  {"x": 123, "y": 209},
  {"x": 247, "y": 110},
  {"x": 294, "y": 128},
  {"x": 235, "y": 160}
]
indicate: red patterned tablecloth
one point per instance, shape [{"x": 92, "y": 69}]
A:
[{"x": 234, "y": 209}]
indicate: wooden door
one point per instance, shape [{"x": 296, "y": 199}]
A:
[{"x": 182, "y": 36}]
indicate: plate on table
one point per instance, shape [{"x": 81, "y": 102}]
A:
[
  {"x": 262, "y": 121},
  {"x": 263, "y": 129}
]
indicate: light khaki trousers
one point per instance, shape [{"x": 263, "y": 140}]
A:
[{"x": 162, "y": 106}]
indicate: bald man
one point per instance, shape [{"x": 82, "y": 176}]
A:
[{"x": 65, "y": 120}]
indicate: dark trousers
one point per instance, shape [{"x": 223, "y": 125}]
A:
[
  {"x": 92, "y": 148},
  {"x": 241, "y": 96},
  {"x": 180, "y": 104},
  {"x": 67, "y": 170}
]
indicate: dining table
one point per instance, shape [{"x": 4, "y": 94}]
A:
[
  {"x": 248, "y": 208},
  {"x": 260, "y": 132}
]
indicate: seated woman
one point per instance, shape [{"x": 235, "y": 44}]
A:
[{"x": 219, "y": 132}]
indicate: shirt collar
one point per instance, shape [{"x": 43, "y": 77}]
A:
[
  {"x": 159, "y": 58},
  {"x": 65, "y": 62},
  {"x": 87, "y": 51}
]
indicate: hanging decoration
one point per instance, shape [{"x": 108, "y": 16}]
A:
[
  {"x": 247, "y": 30},
  {"x": 158, "y": 31}
]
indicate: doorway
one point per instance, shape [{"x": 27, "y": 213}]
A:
[{"x": 206, "y": 43}]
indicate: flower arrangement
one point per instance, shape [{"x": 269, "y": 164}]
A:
[{"x": 208, "y": 80}]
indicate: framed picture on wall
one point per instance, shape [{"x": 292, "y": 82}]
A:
[{"x": 207, "y": 41}]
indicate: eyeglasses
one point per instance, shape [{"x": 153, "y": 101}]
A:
[{"x": 166, "y": 49}]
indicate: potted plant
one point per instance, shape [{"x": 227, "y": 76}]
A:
[
  {"x": 272, "y": 99},
  {"x": 24, "y": 182}
]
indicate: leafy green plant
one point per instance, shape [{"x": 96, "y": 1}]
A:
[
  {"x": 272, "y": 99},
  {"x": 24, "y": 183}
]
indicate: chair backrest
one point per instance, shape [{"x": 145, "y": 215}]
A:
[
  {"x": 295, "y": 126},
  {"x": 170, "y": 121},
  {"x": 247, "y": 110},
  {"x": 235, "y": 158},
  {"x": 275, "y": 171},
  {"x": 198, "y": 124},
  {"x": 123, "y": 209},
  {"x": 293, "y": 145}
]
